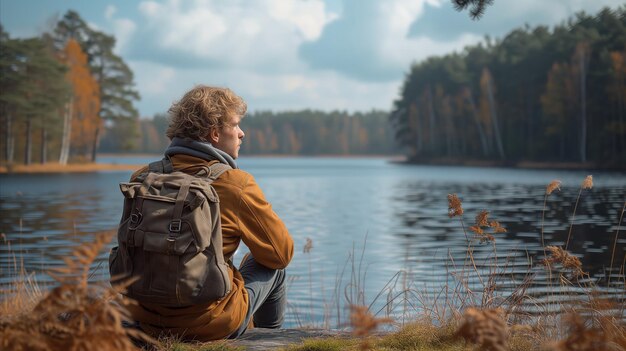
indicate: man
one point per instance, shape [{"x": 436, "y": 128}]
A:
[{"x": 204, "y": 129}]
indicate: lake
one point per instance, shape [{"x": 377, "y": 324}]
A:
[{"x": 380, "y": 232}]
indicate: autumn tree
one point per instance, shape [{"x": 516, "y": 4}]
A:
[
  {"x": 114, "y": 78},
  {"x": 82, "y": 120}
]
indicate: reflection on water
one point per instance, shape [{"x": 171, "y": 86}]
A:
[{"x": 369, "y": 219}]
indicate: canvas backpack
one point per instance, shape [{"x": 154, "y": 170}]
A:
[{"x": 170, "y": 237}]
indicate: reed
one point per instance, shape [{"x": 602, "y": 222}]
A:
[{"x": 586, "y": 184}]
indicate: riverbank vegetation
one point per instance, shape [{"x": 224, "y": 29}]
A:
[
  {"x": 484, "y": 305},
  {"x": 538, "y": 94}
]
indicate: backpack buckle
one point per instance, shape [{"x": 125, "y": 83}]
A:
[
  {"x": 135, "y": 218},
  {"x": 175, "y": 225}
]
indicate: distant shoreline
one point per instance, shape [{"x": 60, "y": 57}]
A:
[
  {"x": 54, "y": 167},
  {"x": 541, "y": 165}
]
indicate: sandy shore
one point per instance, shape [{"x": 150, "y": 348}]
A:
[{"x": 70, "y": 168}]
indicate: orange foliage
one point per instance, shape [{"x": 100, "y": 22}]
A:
[{"x": 86, "y": 99}]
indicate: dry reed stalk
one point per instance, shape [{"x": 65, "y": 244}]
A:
[
  {"x": 554, "y": 185},
  {"x": 619, "y": 224},
  {"x": 586, "y": 184},
  {"x": 455, "y": 209},
  {"x": 364, "y": 324},
  {"x": 307, "y": 250},
  {"x": 75, "y": 315},
  {"x": 23, "y": 294},
  {"x": 567, "y": 261},
  {"x": 482, "y": 222},
  {"x": 308, "y": 246},
  {"x": 485, "y": 327},
  {"x": 454, "y": 206}
]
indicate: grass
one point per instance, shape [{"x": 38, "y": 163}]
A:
[{"x": 470, "y": 312}]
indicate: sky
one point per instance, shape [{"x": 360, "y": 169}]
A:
[{"x": 279, "y": 55}]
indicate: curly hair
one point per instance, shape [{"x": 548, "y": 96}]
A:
[{"x": 201, "y": 109}]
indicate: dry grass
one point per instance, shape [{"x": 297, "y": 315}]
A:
[{"x": 74, "y": 315}]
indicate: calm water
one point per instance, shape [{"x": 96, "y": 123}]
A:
[{"x": 368, "y": 219}]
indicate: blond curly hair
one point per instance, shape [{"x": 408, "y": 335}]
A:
[{"x": 202, "y": 109}]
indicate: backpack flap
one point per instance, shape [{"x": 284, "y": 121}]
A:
[{"x": 129, "y": 189}]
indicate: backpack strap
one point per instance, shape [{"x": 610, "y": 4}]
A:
[
  {"x": 175, "y": 223},
  {"x": 217, "y": 169},
  {"x": 161, "y": 166}
]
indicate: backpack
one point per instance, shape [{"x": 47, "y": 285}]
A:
[{"x": 170, "y": 237}]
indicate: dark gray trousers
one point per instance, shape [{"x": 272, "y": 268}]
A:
[{"x": 267, "y": 296}]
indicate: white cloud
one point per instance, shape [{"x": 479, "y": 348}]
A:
[
  {"x": 123, "y": 32},
  {"x": 153, "y": 79},
  {"x": 309, "y": 17},
  {"x": 369, "y": 40},
  {"x": 263, "y": 35}
]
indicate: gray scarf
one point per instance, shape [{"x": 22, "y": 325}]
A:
[{"x": 199, "y": 149}]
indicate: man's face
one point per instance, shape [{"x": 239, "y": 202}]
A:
[{"x": 228, "y": 138}]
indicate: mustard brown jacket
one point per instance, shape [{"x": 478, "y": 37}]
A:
[{"x": 246, "y": 216}]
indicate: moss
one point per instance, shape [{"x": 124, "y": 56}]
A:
[
  {"x": 421, "y": 335},
  {"x": 210, "y": 346},
  {"x": 330, "y": 344}
]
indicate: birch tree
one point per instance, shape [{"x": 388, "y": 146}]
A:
[{"x": 487, "y": 87}]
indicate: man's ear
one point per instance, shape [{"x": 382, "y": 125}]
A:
[{"x": 214, "y": 135}]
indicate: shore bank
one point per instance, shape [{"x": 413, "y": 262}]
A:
[
  {"x": 53, "y": 167},
  {"x": 571, "y": 166},
  {"x": 69, "y": 168}
]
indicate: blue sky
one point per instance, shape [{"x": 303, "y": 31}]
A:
[{"x": 285, "y": 54}]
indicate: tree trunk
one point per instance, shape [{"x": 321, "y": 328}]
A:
[
  {"x": 96, "y": 143},
  {"x": 419, "y": 133},
  {"x": 494, "y": 119},
  {"x": 67, "y": 133},
  {"x": 481, "y": 132},
  {"x": 583, "y": 59},
  {"x": 28, "y": 148},
  {"x": 10, "y": 143},
  {"x": 445, "y": 113},
  {"x": 44, "y": 145},
  {"x": 621, "y": 137},
  {"x": 530, "y": 131},
  {"x": 431, "y": 124}
]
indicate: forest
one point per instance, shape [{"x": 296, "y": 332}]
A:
[
  {"x": 538, "y": 94},
  {"x": 61, "y": 92},
  {"x": 305, "y": 132}
]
